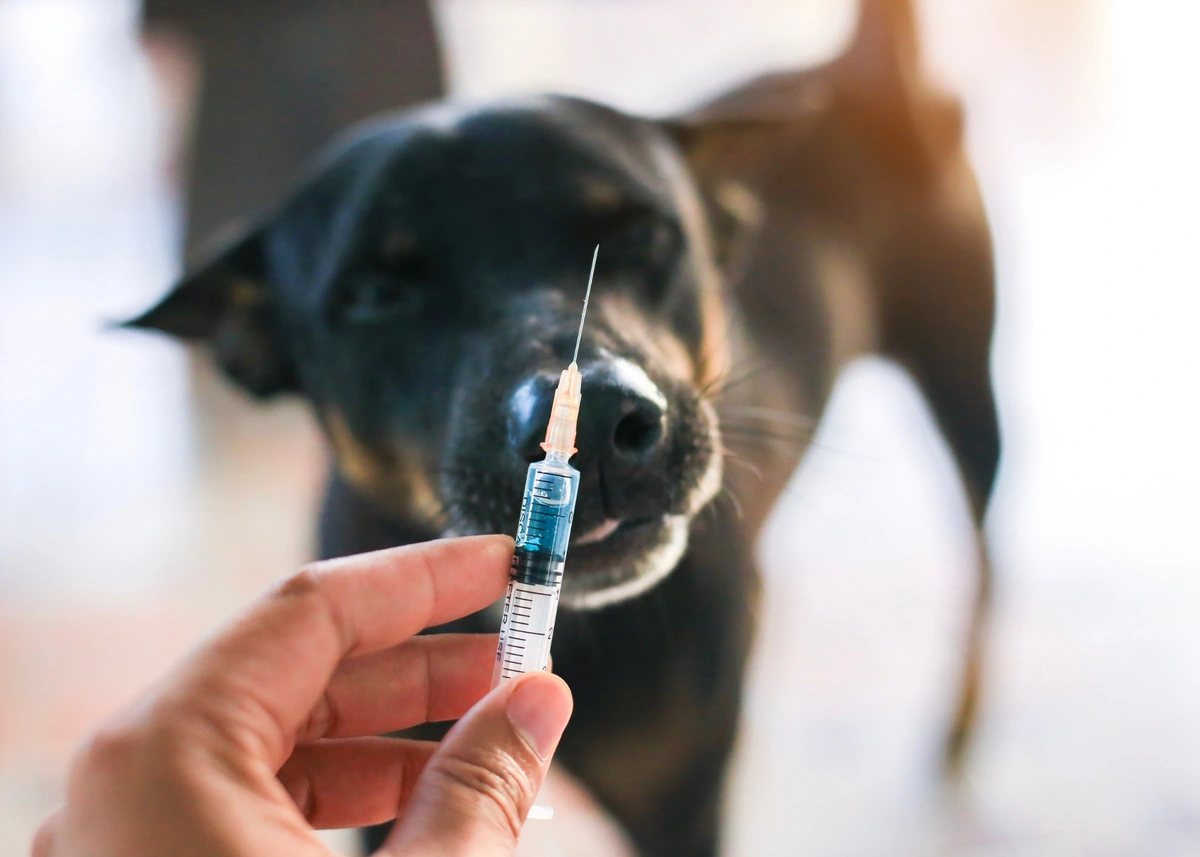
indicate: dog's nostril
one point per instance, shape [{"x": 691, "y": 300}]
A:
[
  {"x": 638, "y": 432},
  {"x": 623, "y": 416}
]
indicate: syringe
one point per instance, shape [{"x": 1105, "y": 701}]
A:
[{"x": 543, "y": 531}]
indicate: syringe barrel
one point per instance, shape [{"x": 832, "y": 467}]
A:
[{"x": 531, "y": 603}]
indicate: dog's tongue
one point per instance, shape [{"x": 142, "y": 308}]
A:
[{"x": 598, "y": 534}]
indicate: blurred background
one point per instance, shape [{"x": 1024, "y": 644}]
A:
[{"x": 141, "y": 501}]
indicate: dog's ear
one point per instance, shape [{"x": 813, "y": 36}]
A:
[
  {"x": 226, "y": 305},
  {"x": 875, "y": 83}
]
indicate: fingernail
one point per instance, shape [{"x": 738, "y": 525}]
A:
[{"x": 539, "y": 709}]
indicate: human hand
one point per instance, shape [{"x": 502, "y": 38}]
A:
[{"x": 267, "y": 730}]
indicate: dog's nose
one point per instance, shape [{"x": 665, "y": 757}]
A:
[{"x": 621, "y": 420}]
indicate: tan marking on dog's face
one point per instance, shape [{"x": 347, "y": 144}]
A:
[
  {"x": 713, "y": 362},
  {"x": 396, "y": 480},
  {"x": 244, "y": 292},
  {"x": 599, "y": 195}
]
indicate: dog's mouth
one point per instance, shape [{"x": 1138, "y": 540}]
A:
[{"x": 621, "y": 558}]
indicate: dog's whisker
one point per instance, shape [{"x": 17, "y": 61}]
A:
[
  {"x": 768, "y": 442},
  {"x": 750, "y": 375},
  {"x": 733, "y": 498},
  {"x": 789, "y": 418},
  {"x": 734, "y": 458},
  {"x": 731, "y": 322},
  {"x": 716, "y": 383},
  {"x": 800, "y": 424},
  {"x": 782, "y": 433},
  {"x": 786, "y": 443}
]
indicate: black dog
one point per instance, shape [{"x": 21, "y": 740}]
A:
[{"x": 422, "y": 286}]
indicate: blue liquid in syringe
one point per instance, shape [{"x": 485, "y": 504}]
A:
[{"x": 531, "y": 604}]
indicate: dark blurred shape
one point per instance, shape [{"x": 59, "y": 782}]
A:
[{"x": 282, "y": 77}]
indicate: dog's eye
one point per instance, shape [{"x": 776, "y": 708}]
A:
[
  {"x": 380, "y": 297},
  {"x": 646, "y": 232}
]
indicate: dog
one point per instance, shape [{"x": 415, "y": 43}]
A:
[{"x": 422, "y": 286}]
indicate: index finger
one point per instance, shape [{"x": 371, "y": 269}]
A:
[{"x": 280, "y": 655}]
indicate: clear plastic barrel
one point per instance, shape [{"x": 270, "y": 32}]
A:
[{"x": 531, "y": 604}]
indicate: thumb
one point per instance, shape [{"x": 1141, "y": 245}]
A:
[{"x": 476, "y": 790}]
